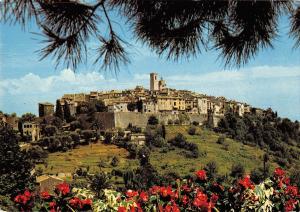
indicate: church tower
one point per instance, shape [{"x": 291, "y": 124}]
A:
[{"x": 154, "y": 82}]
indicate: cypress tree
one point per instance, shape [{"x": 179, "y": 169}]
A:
[
  {"x": 67, "y": 113},
  {"x": 58, "y": 110}
]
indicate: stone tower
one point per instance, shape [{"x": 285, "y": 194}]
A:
[{"x": 154, "y": 82}]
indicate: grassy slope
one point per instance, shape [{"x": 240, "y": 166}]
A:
[
  {"x": 250, "y": 157},
  {"x": 88, "y": 155}
]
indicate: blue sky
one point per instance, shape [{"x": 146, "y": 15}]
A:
[{"x": 271, "y": 79}]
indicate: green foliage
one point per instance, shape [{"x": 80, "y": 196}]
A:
[
  {"x": 37, "y": 154},
  {"x": 15, "y": 164},
  {"x": 266, "y": 131},
  {"x": 99, "y": 182},
  {"x": 295, "y": 177}
]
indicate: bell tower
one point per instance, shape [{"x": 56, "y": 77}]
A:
[{"x": 154, "y": 82}]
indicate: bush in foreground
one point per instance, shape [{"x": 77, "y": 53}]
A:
[{"x": 198, "y": 193}]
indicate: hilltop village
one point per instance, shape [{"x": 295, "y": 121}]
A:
[{"x": 118, "y": 109}]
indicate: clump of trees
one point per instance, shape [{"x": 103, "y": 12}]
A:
[
  {"x": 268, "y": 131},
  {"x": 181, "y": 142}
]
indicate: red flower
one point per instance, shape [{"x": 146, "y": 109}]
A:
[
  {"x": 122, "y": 209},
  {"x": 64, "y": 188},
  {"x": 186, "y": 188},
  {"x": 154, "y": 190},
  {"x": 166, "y": 191},
  {"x": 246, "y": 183},
  {"x": 201, "y": 174},
  {"x": 289, "y": 205},
  {"x": 75, "y": 202},
  {"x": 45, "y": 195},
  {"x": 22, "y": 199},
  {"x": 27, "y": 194},
  {"x": 214, "y": 198},
  {"x": 86, "y": 202},
  {"x": 185, "y": 199},
  {"x": 52, "y": 204},
  {"x": 144, "y": 196},
  {"x": 131, "y": 193},
  {"x": 279, "y": 172},
  {"x": 292, "y": 191},
  {"x": 199, "y": 203}
]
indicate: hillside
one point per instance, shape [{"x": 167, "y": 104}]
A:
[{"x": 164, "y": 162}]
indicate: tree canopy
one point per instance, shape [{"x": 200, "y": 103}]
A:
[
  {"x": 15, "y": 165},
  {"x": 174, "y": 29}
]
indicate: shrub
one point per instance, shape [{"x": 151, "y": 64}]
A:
[
  {"x": 177, "y": 122},
  {"x": 221, "y": 139},
  {"x": 257, "y": 175},
  {"x": 211, "y": 169},
  {"x": 50, "y": 130},
  {"x": 170, "y": 122},
  {"x": 152, "y": 120},
  {"x": 192, "y": 130},
  {"x": 115, "y": 161},
  {"x": 195, "y": 123},
  {"x": 237, "y": 170}
]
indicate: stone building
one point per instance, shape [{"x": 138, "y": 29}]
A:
[
  {"x": 32, "y": 129},
  {"x": 46, "y": 109},
  {"x": 202, "y": 105},
  {"x": 47, "y": 183},
  {"x": 118, "y": 107},
  {"x": 170, "y": 103}
]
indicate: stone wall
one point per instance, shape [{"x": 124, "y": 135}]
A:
[
  {"x": 106, "y": 119},
  {"x": 122, "y": 119}
]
